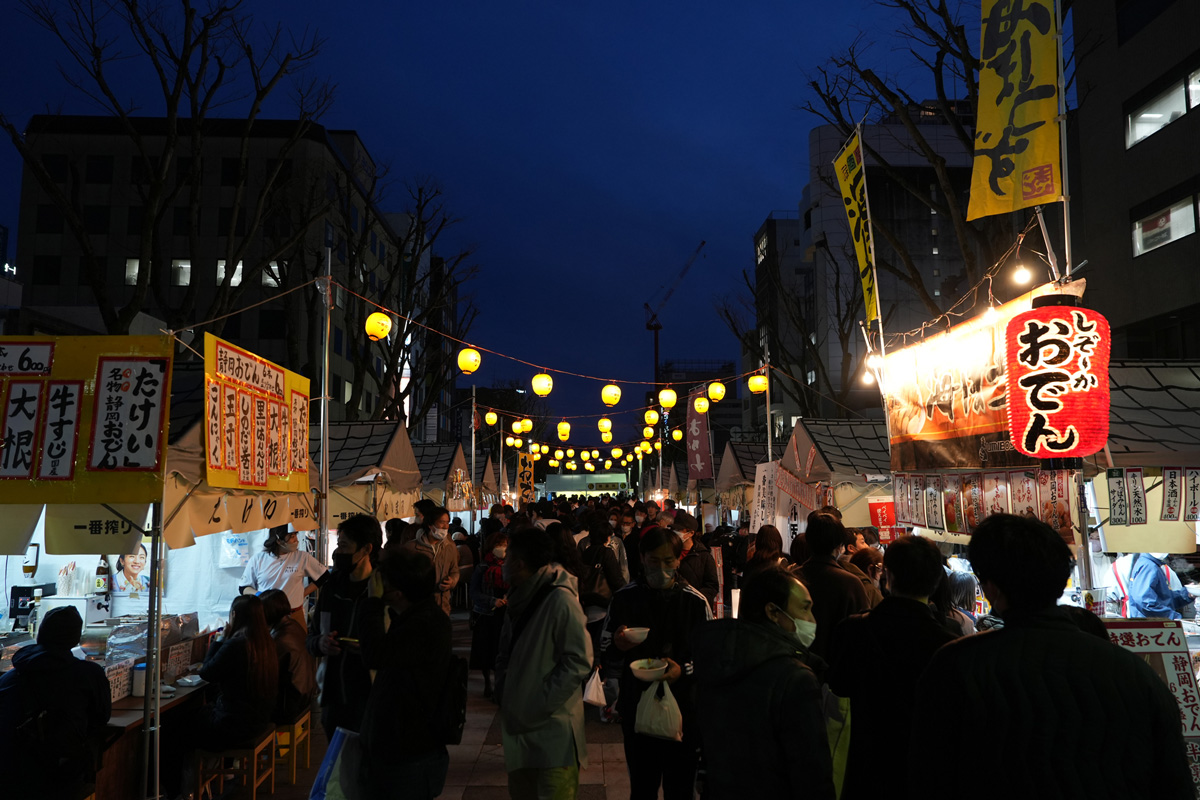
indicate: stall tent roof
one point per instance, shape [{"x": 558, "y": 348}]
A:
[
  {"x": 485, "y": 471},
  {"x": 738, "y": 462},
  {"x": 845, "y": 447},
  {"x": 438, "y": 461},
  {"x": 1155, "y": 413},
  {"x": 360, "y": 450}
]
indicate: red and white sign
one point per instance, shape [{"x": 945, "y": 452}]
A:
[
  {"x": 1057, "y": 381},
  {"x": 882, "y": 512}
]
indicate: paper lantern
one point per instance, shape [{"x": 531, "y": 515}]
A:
[
  {"x": 639, "y": 455},
  {"x": 570, "y": 465},
  {"x": 545, "y": 448},
  {"x": 1057, "y": 381},
  {"x": 604, "y": 424},
  {"x": 595, "y": 453},
  {"x": 564, "y": 431},
  {"x": 590, "y": 467},
  {"x": 570, "y": 453},
  {"x": 518, "y": 443},
  {"x": 667, "y": 398},
  {"x": 611, "y": 395},
  {"x": 553, "y": 462},
  {"x": 645, "y": 447},
  {"x": 508, "y": 441},
  {"x": 585, "y": 455},
  {"x": 542, "y": 384},
  {"x": 607, "y": 464},
  {"x": 469, "y": 360},
  {"x": 616, "y": 452},
  {"x": 559, "y": 454},
  {"x": 700, "y": 404},
  {"x": 534, "y": 447},
  {"x": 537, "y": 456},
  {"x": 716, "y": 391},
  {"x": 516, "y": 426},
  {"x": 606, "y": 437},
  {"x": 647, "y": 432},
  {"x": 378, "y": 326},
  {"x": 526, "y": 425},
  {"x": 651, "y": 416},
  {"x": 677, "y": 434},
  {"x": 658, "y": 445},
  {"x": 757, "y": 384},
  {"x": 490, "y": 418}
]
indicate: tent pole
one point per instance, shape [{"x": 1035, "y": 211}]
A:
[
  {"x": 473, "y": 472},
  {"x": 323, "y": 531},
  {"x": 151, "y": 697}
]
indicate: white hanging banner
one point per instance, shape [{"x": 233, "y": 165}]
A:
[
  {"x": 300, "y": 512},
  {"x": 1191, "y": 501},
  {"x": 274, "y": 509},
  {"x": 245, "y": 512},
  {"x": 207, "y": 513},
  {"x": 1118, "y": 504},
  {"x": 763, "y": 512},
  {"x": 1137, "y": 495},
  {"x": 933, "y": 503},
  {"x": 1172, "y": 496}
]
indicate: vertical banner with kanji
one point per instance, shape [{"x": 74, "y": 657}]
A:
[
  {"x": 525, "y": 479},
  {"x": 699, "y": 453},
  {"x": 84, "y": 418},
  {"x": 763, "y": 510},
  {"x": 255, "y": 421},
  {"x": 852, "y": 180},
  {"x": 1017, "y": 162},
  {"x": 952, "y": 507},
  {"x": 1172, "y": 495}
]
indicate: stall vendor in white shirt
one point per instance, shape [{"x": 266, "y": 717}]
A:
[{"x": 282, "y": 565}]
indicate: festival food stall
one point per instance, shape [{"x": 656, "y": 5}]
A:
[
  {"x": 372, "y": 470},
  {"x": 846, "y": 461},
  {"x": 445, "y": 477}
]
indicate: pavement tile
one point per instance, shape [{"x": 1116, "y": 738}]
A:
[
  {"x": 489, "y": 775},
  {"x": 613, "y": 751}
]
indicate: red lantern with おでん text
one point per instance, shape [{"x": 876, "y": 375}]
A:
[{"x": 1057, "y": 381}]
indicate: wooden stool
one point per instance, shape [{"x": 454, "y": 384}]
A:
[
  {"x": 288, "y": 739},
  {"x": 255, "y": 765}
]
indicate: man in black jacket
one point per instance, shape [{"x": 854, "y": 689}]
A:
[
  {"x": 661, "y": 601},
  {"x": 696, "y": 565},
  {"x": 1024, "y": 693},
  {"x": 406, "y": 756},
  {"x": 901, "y": 632},
  {"x": 53, "y": 709},
  {"x": 836, "y": 594},
  {"x": 757, "y": 688}
]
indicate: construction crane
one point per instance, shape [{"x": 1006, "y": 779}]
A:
[{"x": 652, "y": 323}]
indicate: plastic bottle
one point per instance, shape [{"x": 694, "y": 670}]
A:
[
  {"x": 102, "y": 577},
  {"x": 34, "y": 613}
]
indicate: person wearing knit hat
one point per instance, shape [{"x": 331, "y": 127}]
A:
[{"x": 53, "y": 712}]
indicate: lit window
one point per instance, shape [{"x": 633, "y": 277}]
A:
[
  {"x": 937, "y": 273},
  {"x": 935, "y": 251},
  {"x": 237, "y": 273},
  {"x": 937, "y": 292},
  {"x": 1155, "y": 115},
  {"x": 1194, "y": 89},
  {"x": 272, "y": 276},
  {"x": 1164, "y": 226},
  {"x": 811, "y": 376},
  {"x": 131, "y": 271},
  {"x": 181, "y": 272},
  {"x": 933, "y": 231}
]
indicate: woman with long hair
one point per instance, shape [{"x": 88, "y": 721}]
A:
[
  {"x": 488, "y": 591},
  {"x": 768, "y": 550}
]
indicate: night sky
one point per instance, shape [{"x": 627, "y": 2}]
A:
[{"x": 588, "y": 149}]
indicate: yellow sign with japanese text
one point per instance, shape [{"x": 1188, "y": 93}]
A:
[
  {"x": 84, "y": 418},
  {"x": 525, "y": 479},
  {"x": 255, "y": 421},
  {"x": 1017, "y": 162},
  {"x": 852, "y": 180}
]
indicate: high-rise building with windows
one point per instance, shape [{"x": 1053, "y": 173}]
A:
[{"x": 1134, "y": 206}]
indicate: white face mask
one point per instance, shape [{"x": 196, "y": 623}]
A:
[
  {"x": 805, "y": 632},
  {"x": 640, "y": 519},
  {"x": 661, "y": 578},
  {"x": 612, "y": 523},
  {"x": 290, "y": 546},
  {"x": 499, "y": 552},
  {"x": 438, "y": 533},
  {"x": 685, "y": 537}
]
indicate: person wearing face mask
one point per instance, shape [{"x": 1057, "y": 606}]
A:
[
  {"x": 283, "y": 565},
  {"x": 433, "y": 540},
  {"x": 630, "y": 531},
  {"x": 488, "y": 591},
  {"x": 901, "y": 631},
  {"x": 333, "y": 630},
  {"x": 757, "y": 686},
  {"x": 696, "y": 565},
  {"x": 662, "y": 601}
]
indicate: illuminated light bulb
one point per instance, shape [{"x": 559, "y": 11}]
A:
[
  {"x": 518, "y": 442},
  {"x": 585, "y": 455},
  {"x": 868, "y": 377},
  {"x": 651, "y": 416},
  {"x": 667, "y": 398},
  {"x": 991, "y": 315},
  {"x": 537, "y": 456},
  {"x": 607, "y": 464},
  {"x": 874, "y": 361},
  {"x": 595, "y": 453},
  {"x": 716, "y": 390},
  {"x": 1022, "y": 275},
  {"x": 611, "y": 395},
  {"x": 545, "y": 448},
  {"x": 658, "y": 445},
  {"x": 469, "y": 360},
  {"x": 542, "y": 384}
]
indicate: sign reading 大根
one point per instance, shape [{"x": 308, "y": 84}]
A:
[
  {"x": 84, "y": 418},
  {"x": 255, "y": 421}
]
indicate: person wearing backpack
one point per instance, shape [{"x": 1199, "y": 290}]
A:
[
  {"x": 405, "y": 756},
  {"x": 53, "y": 712}
]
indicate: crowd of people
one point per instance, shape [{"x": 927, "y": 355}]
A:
[{"x": 852, "y": 670}]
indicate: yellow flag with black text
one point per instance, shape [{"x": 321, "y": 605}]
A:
[
  {"x": 1017, "y": 160},
  {"x": 852, "y": 180}
]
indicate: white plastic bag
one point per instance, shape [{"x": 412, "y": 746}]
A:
[
  {"x": 658, "y": 714},
  {"x": 593, "y": 690}
]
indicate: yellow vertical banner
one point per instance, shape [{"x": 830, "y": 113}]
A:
[
  {"x": 852, "y": 180},
  {"x": 525, "y": 478},
  {"x": 255, "y": 421},
  {"x": 1017, "y": 159}
]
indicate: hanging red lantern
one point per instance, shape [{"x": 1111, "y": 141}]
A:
[{"x": 1057, "y": 381}]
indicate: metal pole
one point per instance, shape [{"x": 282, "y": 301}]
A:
[
  {"x": 151, "y": 698},
  {"x": 503, "y": 472},
  {"x": 323, "y": 532},
  {"x": 1062, "y": 141},
  {"x": 1086, "y": 572},
  {"x": 770, "y": 420},
  {"x": 474, "y": 474}
]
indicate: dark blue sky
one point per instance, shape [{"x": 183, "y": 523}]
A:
[{"x": 588, "y": 150}]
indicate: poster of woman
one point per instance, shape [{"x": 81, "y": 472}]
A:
[{"x": 131, "y": 572}]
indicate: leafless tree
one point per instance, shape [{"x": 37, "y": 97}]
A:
[{"x": 205, "y": 59}]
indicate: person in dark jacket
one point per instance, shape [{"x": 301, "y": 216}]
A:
[
  {"x": 757, "y": 688},
  {"x": 346, "y": 681},
  {"x": 53, "y": 709},
  {"x": 902, "y": 632},
  {"x": 697, "y": 565},
  {"x": 1022, "y": 693},
  {"x": 404, "y": 754},
  {"x": 836, "y": 593},
  {"x": 488, "y": 602},
  {"x": 297, "y": 667},
  {"x": 663, "y": 602}
]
